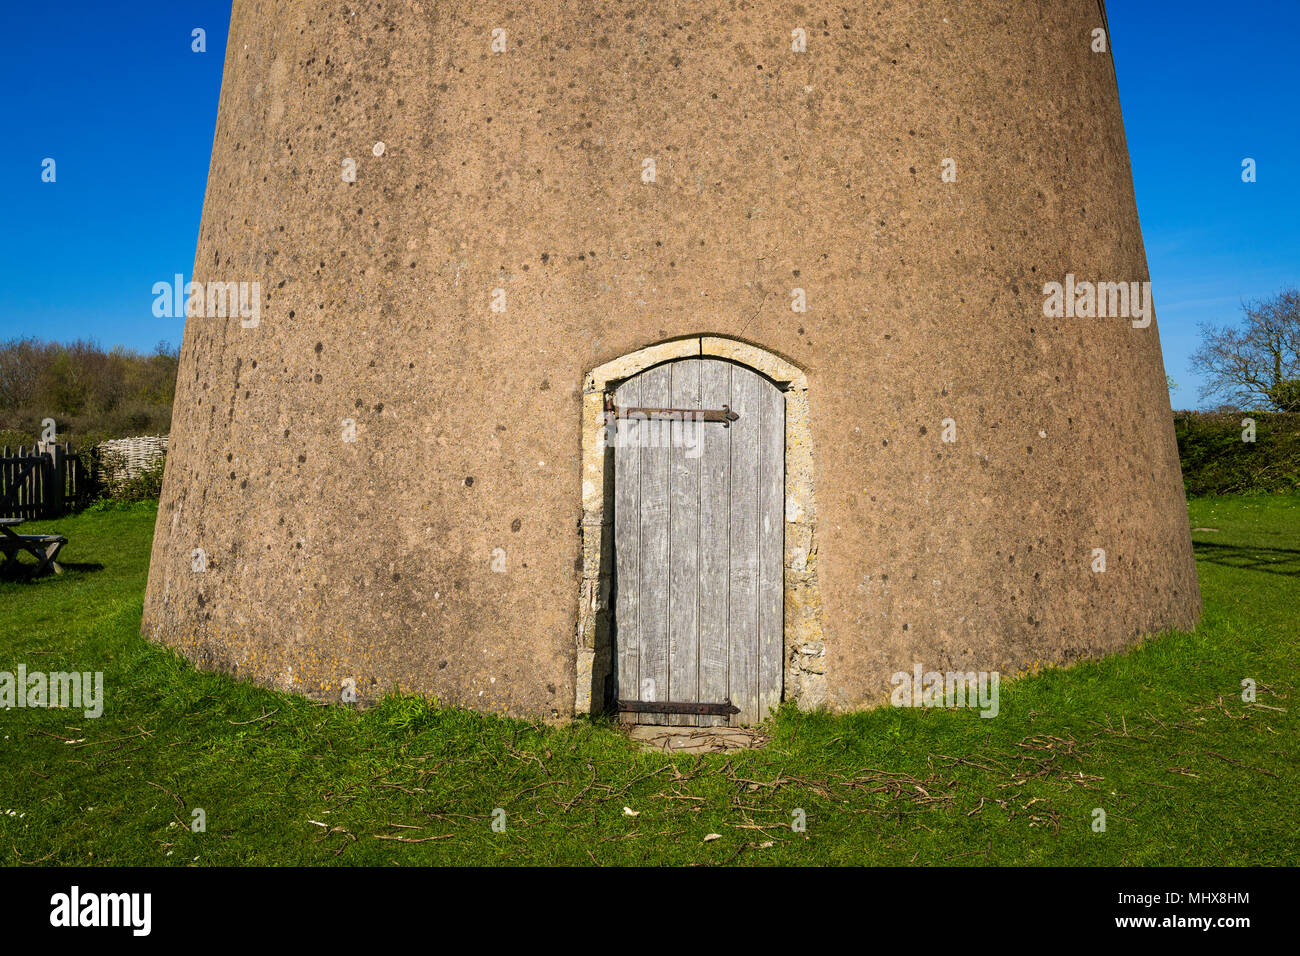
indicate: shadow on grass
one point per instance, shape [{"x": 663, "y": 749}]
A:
[
  {"x": 25, "y": 571},
  {"x": 1285, "y": 561}
]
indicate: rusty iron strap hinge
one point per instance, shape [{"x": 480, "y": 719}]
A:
[
  {"x": 724, "y": 709},
  {"x": 724, "y": 415}
]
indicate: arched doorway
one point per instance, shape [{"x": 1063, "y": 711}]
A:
[
  {"x": 699, "y": 476},
  {"x": 729, "y": 610}
]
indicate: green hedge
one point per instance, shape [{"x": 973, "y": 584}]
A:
[{"x": 1217, "y": 461}]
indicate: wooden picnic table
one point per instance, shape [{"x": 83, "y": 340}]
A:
[{"x": 44, "y": 547}]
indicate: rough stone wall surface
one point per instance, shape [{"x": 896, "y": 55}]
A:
[{"x": 523, "y": 171}]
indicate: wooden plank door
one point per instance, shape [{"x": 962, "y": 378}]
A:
[{"x": 698, "y": 542}]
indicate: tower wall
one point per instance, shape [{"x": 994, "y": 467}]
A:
[{"x": 775, "y": 170}]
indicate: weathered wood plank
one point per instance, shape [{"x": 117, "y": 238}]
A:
[
  {"x": 653, "y": 578},
  {"x": 715, "y": 538},
  {"x": 684, "y": 535},
  {"x": 25, "y": 483},
  {"x": 627, "y": 550},
  {"x": 771, "y": 548},
  {"x": 743, "y": 584},
  {"x": 699, "y": 544}
]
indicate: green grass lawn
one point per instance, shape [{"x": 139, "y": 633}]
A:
[{"x": 1159, "y": 738}]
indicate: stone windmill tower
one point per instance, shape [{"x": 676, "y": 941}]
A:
[{"x": 681, "y": 358}]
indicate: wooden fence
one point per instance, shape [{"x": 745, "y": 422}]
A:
[
  {"x": 122, "y": 459},
  {"x": 44, "y": 481}
]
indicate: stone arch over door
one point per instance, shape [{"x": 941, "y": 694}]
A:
[{"x": 802, "y": 648}]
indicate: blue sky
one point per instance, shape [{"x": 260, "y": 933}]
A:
[
  {"x": 1203, "y": 86},
  {"x": 113, "y": 92}
]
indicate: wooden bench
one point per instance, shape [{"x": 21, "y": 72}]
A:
[{"x": 44, "y": 547}]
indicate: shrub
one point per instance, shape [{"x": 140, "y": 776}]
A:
[
  {"x": 145, "y": 486},
  {"x": 1216, "y": 460}
]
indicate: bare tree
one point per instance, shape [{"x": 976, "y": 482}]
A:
[
  {"x": 1256, "y": 365},
  {"x": 89, "y": 393}
]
